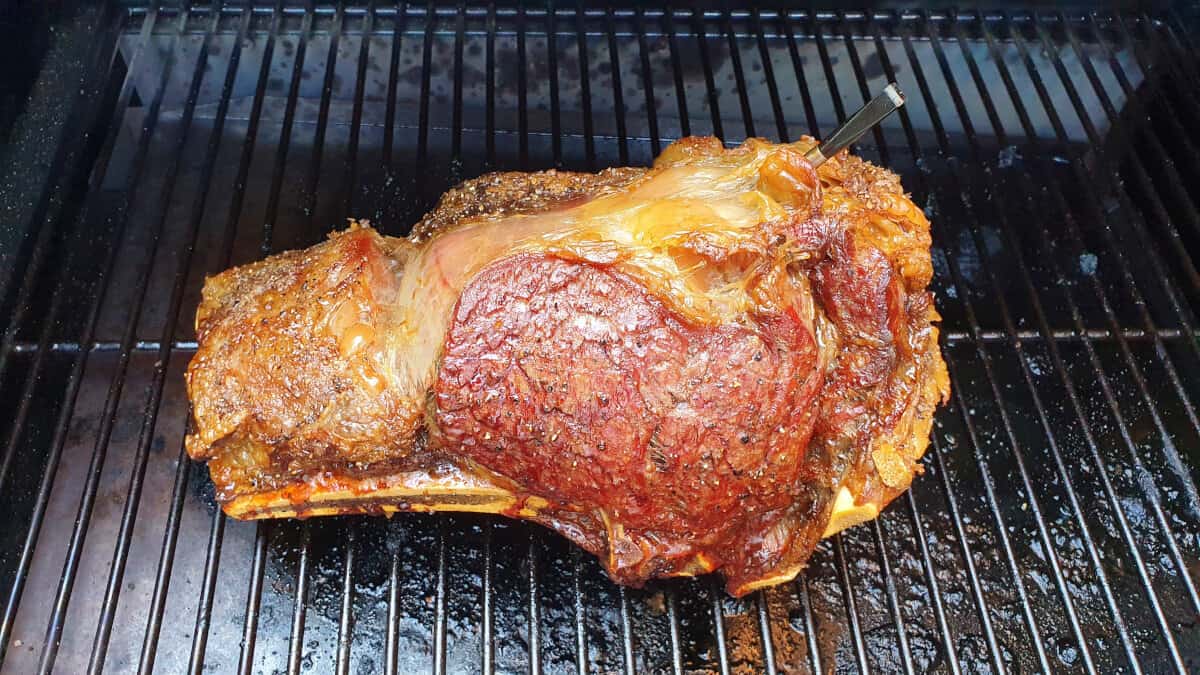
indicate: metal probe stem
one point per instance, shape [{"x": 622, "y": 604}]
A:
[{"x": 859, "y": 124}]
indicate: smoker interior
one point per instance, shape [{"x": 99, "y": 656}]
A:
[{"x": 1056, "y": 526}]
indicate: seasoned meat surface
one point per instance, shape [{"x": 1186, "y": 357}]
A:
[{"x": 705, "y": 365}]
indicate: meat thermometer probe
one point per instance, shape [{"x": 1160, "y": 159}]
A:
[{"x": 859, "y": 124}]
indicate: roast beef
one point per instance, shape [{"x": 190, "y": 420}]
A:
[{"x": 705, "y": 365}]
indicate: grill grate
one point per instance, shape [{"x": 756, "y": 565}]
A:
[{"x": 1057, "y": 526}]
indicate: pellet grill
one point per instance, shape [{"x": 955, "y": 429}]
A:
[{"x": 1056, "y": 528}]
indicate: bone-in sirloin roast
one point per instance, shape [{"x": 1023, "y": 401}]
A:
[{"x": 705, "y": 365}]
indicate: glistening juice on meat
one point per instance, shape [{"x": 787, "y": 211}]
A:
[{"x": 705, "y": 365}]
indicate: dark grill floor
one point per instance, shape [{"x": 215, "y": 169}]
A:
[{"x": 1057, "y": 526}]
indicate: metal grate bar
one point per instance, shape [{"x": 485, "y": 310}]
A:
[
  {"x": 764, "y": 56},
  {"x": 426, "y": 72},
  {"x": 522, "y": 91},
  {"x": 208, "y": 587},
  {"x": 346, "y": 617},
  {"x": 935, "y": 593},
  {"x": 389, "y": 127},
  {"x": 392, "y": 647},
  {"x": 1127, "y": 278},
  {"x": 87, "y": 499},
  {"x": 581, "y": 641},
  {"x": 647, "y": 82},
  {"x": 714, "y": 107},
  {"x": 627, "y": 648},
  {"x": 810, "y": 625},
  {"x": 1074, "y": 309},
  {"x": 535, "y": 610},
  {"x": 981, "y": 603},
  {"x": 300, "y": 605},
  {"x": 103, "y": 155},
  {"x": 764, "y": 630},
  {"x": 685, "y": 125},
  {"x": 673, "y": 625},
  {"x": 739, "y": 77},
  {"x": 1018, "y": 455},
  {"x": 316, "y": 230},
  {"x": 617, "y": 90},
  {"x": 718, "y": 615},
  {"x": 847, "y": 586},
  {"x": 151, "y": 405},
  {"x": 1150, "y": 70},
  {"x": 350, "y": 168},
  {"x": 1133, "y": 152},
  {"x": 457, "y": 122},
  {"x": 43, "y": 248},
  {"x": 285, "y": 140},
  {"x": 491, "y": 86},
  {"x": 585, "y": 91},
  {"x": 973, "y": 222},
  {"x": 439, "y": 601},
  {"x": 487, "y": 631},
  {"x": 893, "y": 598},
  {"x": 183, "y": 469},
  {"x": 253, "y": 599}
]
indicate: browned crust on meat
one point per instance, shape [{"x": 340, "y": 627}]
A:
[{"x": 506, "y": 193}]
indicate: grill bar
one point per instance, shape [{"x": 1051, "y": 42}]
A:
[
  {"x": 1018, "y": 454},
  {"x": 981, "y": 603},
  {"x": 1134, "y": 153},
  {"x": 300, "y": 603},
  {"x": 1076, "y": 417},
  {"x": 1131, "y": 286},
  {"x": 1075, "y": 312},
  {"x": 253, "y": 599},
  {"x": 959, "y": 528},
  {"x": 207, "y": 588},
  {"x": 41, "y": 250},
  {"x": 151, "y": 406},
  {"x": 1099, "y": 464},
  {"x": 1150, "y": 65},
  {"x": 87, "y": 500},
  {"x": 182, "y": 473},
  {"x": 847, "y": 585},
  {"x": 1025, "y": 275},
  {"x": 14, "y": 595},
  {"x": 346, "y": 619}
]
